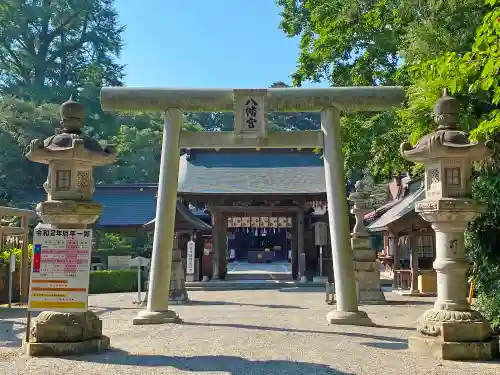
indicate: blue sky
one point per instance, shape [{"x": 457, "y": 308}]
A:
[{"x": 205, "y": 43}]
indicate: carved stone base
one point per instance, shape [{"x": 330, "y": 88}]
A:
[
  {"x": 56, "y": 333},
  {"x": 55, "y": 349},
  {"x": 456, "y": 335},
  {"x": 358, "y": 318},
  {"x": 372, "y": 297},
  {"x": 156, "y": 317},
  {"x": 367, "y": 274},
  {"x": 434, "y": 347},
  {"x": 184, "y": 300}
]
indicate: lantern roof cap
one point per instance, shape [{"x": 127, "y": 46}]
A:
[{"x": 448, "y": 140}]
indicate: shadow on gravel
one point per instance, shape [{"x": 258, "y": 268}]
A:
[
  {"x": 409, "y": 302},
  {"x": 387, "y": 345},
  {"x": 293, "y": 330},
  {"x": 303, "y": 289},
  {"x": 201, "y": 364},
  {"x": 11, "y": 331},
  {"x": 215, "y": 303}
]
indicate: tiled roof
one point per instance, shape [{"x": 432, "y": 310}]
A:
[
  {"x": 375, "y": 214},
  {"x": 399, "y": 210},
  {"x": 133, "y": 204},
  {"x": 127, "y": 205},
  {"x": 251, "y": 172},
  {"x": 188, "y": 217}
]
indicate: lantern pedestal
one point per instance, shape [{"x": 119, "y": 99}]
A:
[
  {"x": 61, "y": 334},
  {"x": 454, "y": 335}
]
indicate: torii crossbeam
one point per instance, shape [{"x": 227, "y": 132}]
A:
[{"x": 251, "y": 107}]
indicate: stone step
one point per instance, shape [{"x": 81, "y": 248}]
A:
[{"x": 260, "y": 285}]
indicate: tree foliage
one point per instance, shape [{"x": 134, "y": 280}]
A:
[
  {"x": 376, "y": 42},
  {"x": 50, "y": 48}
]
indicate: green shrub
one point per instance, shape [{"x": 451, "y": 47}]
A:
[
  {"x": 113, "y": 281},
  {"x": 483, "y": 243},
  {"x": 5, "y": 254}
]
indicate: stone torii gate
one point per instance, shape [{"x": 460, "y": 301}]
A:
[{"x": 251, "y": 107}]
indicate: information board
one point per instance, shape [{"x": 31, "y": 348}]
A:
[{"x": 60, "y": 269}]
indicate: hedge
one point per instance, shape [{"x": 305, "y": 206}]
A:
[{"x": 113, "y": 281}]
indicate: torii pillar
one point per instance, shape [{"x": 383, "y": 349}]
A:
[{"x": 251, "y": 109}]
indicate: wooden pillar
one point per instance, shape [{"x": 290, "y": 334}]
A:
[
  {"x": 199, "y": 250},
  {"x": 223, "y": 247},
  {"x": 24, "y": 270},
  {"x": 300, "y": 246},
  {"x": 219, "y": 230},
  {"x": 396, "y": 259},
  {"x": 414, "y": 263},
  {"x": 295, "y": 257}
]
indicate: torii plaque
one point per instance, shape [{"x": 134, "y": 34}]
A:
[{"x": 250, "y": 131}]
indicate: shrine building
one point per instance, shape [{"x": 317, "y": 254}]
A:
[{"x": 262, "y": 203}]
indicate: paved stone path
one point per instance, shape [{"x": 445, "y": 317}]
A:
[
  {"x": 243, "y": 333},
  {"x": 259, "y": 268}
]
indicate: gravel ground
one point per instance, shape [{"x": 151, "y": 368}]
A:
[{"x": 243, "y": 333}]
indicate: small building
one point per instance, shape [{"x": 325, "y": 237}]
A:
[{"x": 405, "y": 235}]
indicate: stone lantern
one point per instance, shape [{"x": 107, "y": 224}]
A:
[
  {"x": 366, "y": 267},
  {"x": 451, "y": 329},
  {"x": 70, "y": 156}
]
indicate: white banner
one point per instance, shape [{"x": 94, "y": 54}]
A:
[{"x": 190, "y": 258}]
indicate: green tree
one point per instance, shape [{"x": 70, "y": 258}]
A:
[
  {"x": 472, "y": 76},
  {"x": 51, "y": 49},
  {"x": 362, "y": 42},
  {"x": 20, "y": 122},
  {"x": 372, "y": 42}
]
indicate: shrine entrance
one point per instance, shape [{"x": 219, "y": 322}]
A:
[{"x": 251, "y": 108}]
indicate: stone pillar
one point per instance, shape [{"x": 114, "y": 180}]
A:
[
  {"x": 300, "y": 246},
  {"x": 366, "y": 267},
  {"x": 217, "y": 238},
  {"x": 338, "y": 215},
  {"x": 70, "y": 155},
  {"x": 157, "y": 311},
  {"x": 178, "y": 293},
  {"x": 451, "y": 329}
]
